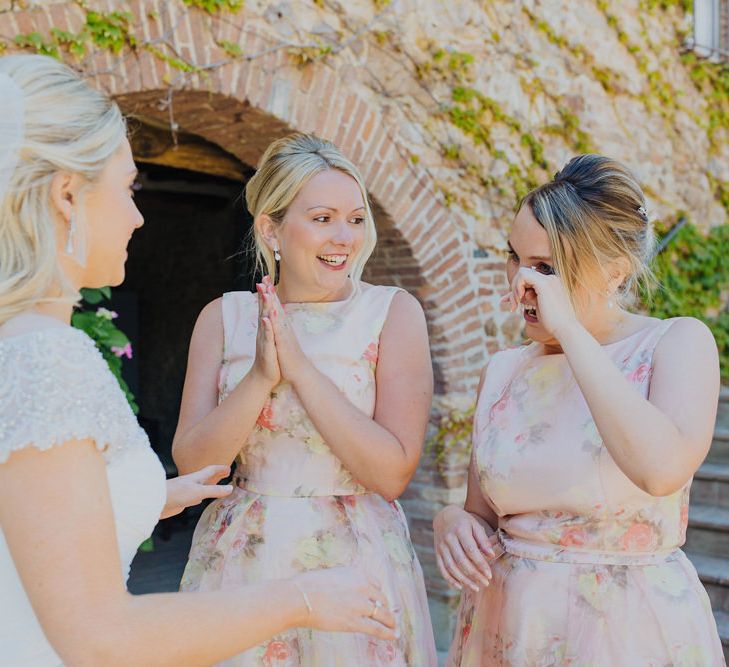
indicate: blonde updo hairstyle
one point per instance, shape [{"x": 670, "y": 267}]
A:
[
  {"x": 286, "y": 166},
  {"x": 69, "y": 127},
  {"x": 594, "y": 214}
]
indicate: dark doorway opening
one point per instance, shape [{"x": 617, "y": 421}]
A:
[{"x": 191, "y": 249}]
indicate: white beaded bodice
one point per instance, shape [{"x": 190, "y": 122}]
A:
[{"x": 56, "y": 388}]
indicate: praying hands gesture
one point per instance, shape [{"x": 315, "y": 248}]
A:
[{"x": 278, "y": 353}]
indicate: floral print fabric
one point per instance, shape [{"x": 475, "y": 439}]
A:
[
  {"x": 296, "y": 507},
  {"x": 589, "y": 573}
]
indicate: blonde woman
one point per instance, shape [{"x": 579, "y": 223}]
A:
[
  {"x": 80, "y": 488},
  {"x": 320, "y": 389},
  {"x": 584, "y": 445}
]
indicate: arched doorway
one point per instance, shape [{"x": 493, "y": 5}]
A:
[{"x": 190, "y": 250}]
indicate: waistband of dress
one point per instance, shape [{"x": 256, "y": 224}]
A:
[
  {"x": 556, "y": 553},
  {"x": 265, "y": 489}
]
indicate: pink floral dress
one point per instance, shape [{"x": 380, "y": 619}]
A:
[
  {"x": 296, "y": 508},
  {"x": 590, "y": 573}
]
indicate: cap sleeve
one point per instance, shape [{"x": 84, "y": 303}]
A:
[{"x": 57, "y": 387}]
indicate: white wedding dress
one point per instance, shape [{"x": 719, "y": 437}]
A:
[{"x": 54, "y": 387}]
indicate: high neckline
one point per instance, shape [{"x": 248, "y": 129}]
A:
[
  {"x": 322, "y": 304},
  {"x": 535, "y": 348}
]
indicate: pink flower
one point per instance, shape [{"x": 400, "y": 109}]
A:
[
  {"x": 498, "y": 410},
  {"x": 265, "y": 419},
  {"x": 639, "y": 537},
  {"x": 640, "y": 373},
  {"x": 370, "y": 354},
  {"x": 684, "y": 517},
  {"x": 573, "y": 536},
  {"x": 125, "y": 351},
  {"x": 106, "y": 314},
  {"x": 275, "y": 651}
]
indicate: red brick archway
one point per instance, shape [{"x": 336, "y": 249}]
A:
[
  {"x": 245, "y": 104},
  {"x": 420, "y": 246}
]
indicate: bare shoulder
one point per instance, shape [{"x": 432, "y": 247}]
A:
[
  {"x": 405, "y": 315},
  {"x": 208, "y": 335},
  {"x": 210, "y": 319},
  {"x": 406, "y": 302},
  {"x": 686, "y": 335}
]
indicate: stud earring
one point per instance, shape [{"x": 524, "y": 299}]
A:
[
  {"x": 71, "y": 234},
  {"x": 276, "y": 254}
]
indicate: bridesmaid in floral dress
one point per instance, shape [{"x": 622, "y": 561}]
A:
[
  {"x": 584, "y": 445},
  {"x": 320, "y": 390}
]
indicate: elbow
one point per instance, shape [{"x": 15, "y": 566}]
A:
[
  {"x": 663, "y": 483},
  {"x": 91, "y": 647},
  {"x": 391, "y": 495},
  {"x": 661, "y": 487},
  {"x": 392, "y": 489},
  {"x": 180, "y": 458}
]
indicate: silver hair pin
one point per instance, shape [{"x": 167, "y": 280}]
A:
[{"x": 642, "y": 211}]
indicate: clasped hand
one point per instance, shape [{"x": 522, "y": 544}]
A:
[
  {"x": 554, "y": 308},
  {"x": 278, "y": 353}
]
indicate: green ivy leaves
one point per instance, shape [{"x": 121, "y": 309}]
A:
[
  {"x": 110, "y": 340},
  {"x": 693, "y": 274}
]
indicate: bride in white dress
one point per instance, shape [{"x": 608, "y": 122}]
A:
[{"x": 80, "y": 487}]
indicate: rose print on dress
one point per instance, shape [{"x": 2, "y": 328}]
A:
[
  {"x": 639, "y": 537},
  {"x": 562, "y": 498},
  {"x": 265, "y": 419},
  {"x": 297, "y": 507}
]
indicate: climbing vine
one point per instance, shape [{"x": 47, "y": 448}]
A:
[
  {"x": 693, "y": 277},
  {"x": 485, "y": 151},
  {"x": 98, "y": 323}
]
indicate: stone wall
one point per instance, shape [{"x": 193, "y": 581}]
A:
[{"x": 452, "y": 110}]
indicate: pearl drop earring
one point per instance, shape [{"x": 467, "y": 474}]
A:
[{"x": 276, "y": 254}]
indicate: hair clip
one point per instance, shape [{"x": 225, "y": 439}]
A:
[{"x": 643, "y": 214}]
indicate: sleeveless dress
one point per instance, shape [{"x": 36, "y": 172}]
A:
[
  {"x": 296, "y": 508},
  {"x": 54, "y": 387},
  {"x": 589, "y": 572}
]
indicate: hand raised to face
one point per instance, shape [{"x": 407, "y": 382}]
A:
[{"x": 545, "y": 296}]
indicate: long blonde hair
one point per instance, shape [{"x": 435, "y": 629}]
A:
[
  {"x": 594, "y": 214},
  {"x": 69, "y": 127},
  {"x": 284, "y": 169}
]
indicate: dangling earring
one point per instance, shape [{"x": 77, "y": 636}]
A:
[
  {"x": 610, "y": 301},
  {"x": 71, "y": 234},
  {"x": 276, "y": 254}
]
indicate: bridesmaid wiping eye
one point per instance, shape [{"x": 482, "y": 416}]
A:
[{"x": 584, "y": 445}]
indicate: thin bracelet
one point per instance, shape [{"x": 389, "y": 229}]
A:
[{"x": 306, "y": 598}]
